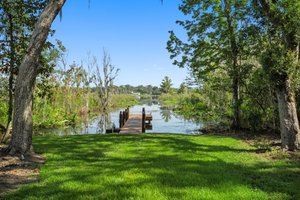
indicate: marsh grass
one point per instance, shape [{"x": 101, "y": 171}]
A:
[{"x": 158, "y": 166}]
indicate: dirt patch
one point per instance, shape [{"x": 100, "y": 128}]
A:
[{"x": 15, "y": 172}]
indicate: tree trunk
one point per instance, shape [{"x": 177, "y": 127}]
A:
[
  {"x": 235, "y": 68},
  {"x": 236, "y": 103},
  {"x": 21, "y": 142},
  {"x": 289, "y": 125}
]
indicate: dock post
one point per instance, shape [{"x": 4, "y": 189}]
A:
[
  {"x": 120, "y": 119},
  {"x": 127, "y": 112},
  {"x": 143, "y": 120},
  {"x": 124, "y": 120}
]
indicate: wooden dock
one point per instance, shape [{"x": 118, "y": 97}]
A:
[{"x": 133, "y": 123}]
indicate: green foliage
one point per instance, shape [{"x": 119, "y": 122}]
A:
[
  {"x": 17, "y": 21},
  {"x": 123, "y": 101},
  {"x": 279, "y": 63},
  {"x": 62, "y": 95},
  {"x": 195, "y": 106},
  {"x": 210, "y": 103},
  {"x": 217, "y": 33},
  {"x": 143, "y": 90},
  {"x": 158, "y": 166},
  {"x": 245, "y": 48},
  {"x": 171, "y": 100},
  {"x": 166, "y": 85},
  {"x": 209, "y": 43},
  {"x": 3, "y": 113},
  {"x": 93, "y": 102},
  {"x": 192, "y": 107},
  {"x": 3, "y": 100},
  {"x": 19, "y": 17},
  {"x": 45, "y": 115},
  {"x": 53, "y": 110},
  {"x": 216, "y": 93},
  {"x": 259, "y": 109},
  {"x": 280, "y": 55},
  {"x": 182, "y": 89}
]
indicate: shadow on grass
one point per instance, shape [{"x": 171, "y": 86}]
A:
[{"x": 156, "y": 167}]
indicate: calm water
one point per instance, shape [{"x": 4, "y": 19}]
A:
[{"x": 164, "y": 121}]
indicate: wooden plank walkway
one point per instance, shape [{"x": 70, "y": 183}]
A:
[{"x": 134, "y": 123}]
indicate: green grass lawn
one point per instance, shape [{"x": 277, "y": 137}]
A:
[{"x": 158, "y": 166}]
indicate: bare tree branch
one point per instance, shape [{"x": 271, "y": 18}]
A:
[{"x": 104, "y": 80}]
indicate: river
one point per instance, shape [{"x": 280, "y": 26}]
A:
[{"x": 164, "y": 121}]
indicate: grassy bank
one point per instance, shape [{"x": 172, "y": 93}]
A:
[
  {"x": 158, "y": 166},
  {"x": 123, "y": 101}
]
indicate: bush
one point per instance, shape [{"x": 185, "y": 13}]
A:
[
  {"x": 171, "y": 100},
  {"x": 192, "y": 106}
]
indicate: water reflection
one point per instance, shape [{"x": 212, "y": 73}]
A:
[
  {"x": 164, "y": 121},
  {"x": 166, "y": 115}
]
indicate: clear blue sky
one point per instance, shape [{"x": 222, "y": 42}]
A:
[{"x": 134, "y": 32}]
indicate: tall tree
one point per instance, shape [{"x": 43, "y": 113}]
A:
[
  {"x": 214, "y": 29},
  {"x": 182, "y": 88},
  {"x": 281, "y": 20},
  {"x": 17, "y": 20},
  {"x": 21, "y": 142},
  {"x": 166, "y": 85},
  {"x": 104, "y": 80}
]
